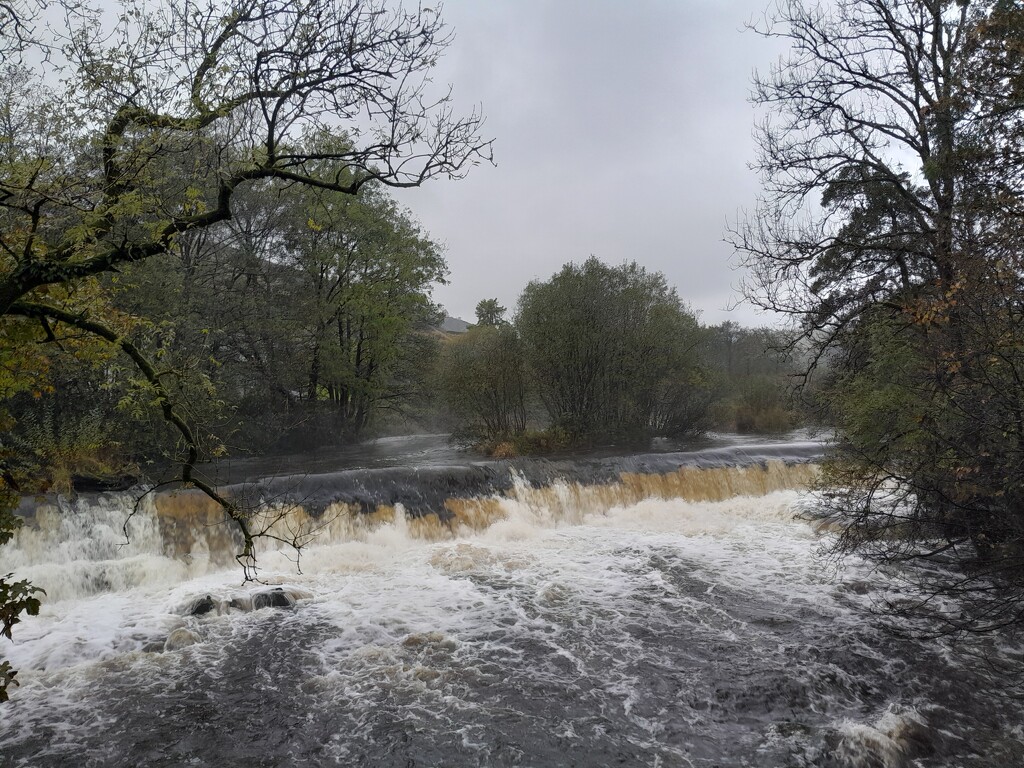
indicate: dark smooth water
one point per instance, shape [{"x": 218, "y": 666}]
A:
[{"x": 412, "y": 451}]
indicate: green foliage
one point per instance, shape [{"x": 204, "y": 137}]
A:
[
  {"x": 613, "y": 351},
  {"x": 9, "y": 522},
  {"x": 490, "y": 312},
  {"x": 879, "y": 404},
  {"x": 16, "y": 597},
  {"x": 752, "y": 372},
  {"x": 96, "y": 418},
  {"x": 310, "y": 317},
  {"x": 482, "y": 382},
  {"x": 757, "y": 404},
  {"x": 369, "y": 270},
  {"x": 67, "y": 447}
]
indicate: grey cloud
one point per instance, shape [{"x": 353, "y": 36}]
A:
[{"x": 622, "y": 130}]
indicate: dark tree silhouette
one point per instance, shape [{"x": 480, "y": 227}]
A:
[{"x": 889, "y": 231}]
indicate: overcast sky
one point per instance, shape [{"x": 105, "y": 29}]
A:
[{"x": 622, "y": 129}]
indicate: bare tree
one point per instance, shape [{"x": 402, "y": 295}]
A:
[
  {"x": 889, "y": 156},
  {"x": 866, "y": 108},
  {"x": 17, "y": 26}
]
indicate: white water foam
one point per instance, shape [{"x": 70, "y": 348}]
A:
[{"x": 648, "y": 629}]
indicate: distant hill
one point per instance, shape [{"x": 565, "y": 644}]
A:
[{"x": 454, "y": 325}]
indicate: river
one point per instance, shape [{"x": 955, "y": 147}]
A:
[{"x": 661, "y": 609}]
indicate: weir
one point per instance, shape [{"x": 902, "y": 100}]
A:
[
  {"x": 106, "y": 541},
  {"x": 657, "y": 609}
]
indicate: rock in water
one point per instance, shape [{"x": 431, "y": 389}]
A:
[
  {"x": 180, "y": 638},
  {"x": 240, "y": 603},
  {"x": 274, "y": 598},
  {"x": 202, "y": 606}
]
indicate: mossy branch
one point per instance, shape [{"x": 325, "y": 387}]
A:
[{"x": 169, "y": 409}]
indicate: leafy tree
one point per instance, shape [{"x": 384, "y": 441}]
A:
[
  {"x": 613, "y": 351},
  {"x": 490, "y": 312},
  {"x": 752, "y": 377},
  {"x": 310, "y": 308},
  {"x": 162, "y": 120},
  {"x": 483, "y": 381},
  {"x": 370, "y": 270},
  {"x": 123, "y": 136},
  {"x": 903, "y": 118}
]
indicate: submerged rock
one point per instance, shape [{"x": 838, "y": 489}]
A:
[
  {"x": 273, "y": 598},
  {"x": 268, "y": 597},
  {"x": 180, "y": 638},
  {"x": 202, "y": 606},
  {"x": 240, "y": 603}
]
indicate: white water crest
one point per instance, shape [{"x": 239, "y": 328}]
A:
[{"x": 560, "y": 625}]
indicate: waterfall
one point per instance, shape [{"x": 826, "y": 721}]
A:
[{"x": 656, "y": 609}]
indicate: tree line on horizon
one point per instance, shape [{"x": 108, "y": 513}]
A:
[
  {"x": 306, "y": 322},
  {"x": 600, "y": 354}
]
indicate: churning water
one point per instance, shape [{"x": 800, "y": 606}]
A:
[{"x": 653, "y": 616}]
